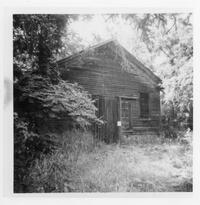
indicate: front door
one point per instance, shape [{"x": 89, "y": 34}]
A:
[{"x": 127, "y": 113}]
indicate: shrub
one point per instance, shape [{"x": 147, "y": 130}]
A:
[
  {"x": 37, "y": 98},
  {"x": 28, "y": 146}
]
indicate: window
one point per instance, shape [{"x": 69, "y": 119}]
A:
[{"x": 144, "y": 105}]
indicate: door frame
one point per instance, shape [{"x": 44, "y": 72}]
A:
[{"x": 119, "y": 100}]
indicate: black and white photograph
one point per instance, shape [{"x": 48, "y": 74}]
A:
[{"x": 103, "y": 102}]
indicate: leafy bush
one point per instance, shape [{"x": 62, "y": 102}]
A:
[
  {"x": 37, "y": 98},
  {"x": 28, "y": 146}
]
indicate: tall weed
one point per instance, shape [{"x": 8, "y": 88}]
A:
[{"x": 58, "y": 172}]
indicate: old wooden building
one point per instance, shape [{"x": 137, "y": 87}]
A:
[{"x": 127, "y": 93}]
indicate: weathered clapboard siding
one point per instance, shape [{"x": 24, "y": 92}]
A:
[
  {"x": 101, "y": 72},
  {"x": 107, "y": 83}
]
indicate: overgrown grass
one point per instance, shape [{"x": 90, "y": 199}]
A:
[
  {"x": 161, "y": 167},
  {"x": 58, "y": 172},
  {"x": 82, "y": 166}
]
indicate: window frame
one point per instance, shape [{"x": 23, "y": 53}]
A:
[{"x": 144, "y": 111}]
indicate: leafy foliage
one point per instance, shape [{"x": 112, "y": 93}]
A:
[
  {"x": 36, "y": 39},
  {"x": 28, "y": 146},
  {"x": 40, "y": 99}
]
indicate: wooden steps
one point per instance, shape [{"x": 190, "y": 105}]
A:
[{"x": 142, "y": 131}]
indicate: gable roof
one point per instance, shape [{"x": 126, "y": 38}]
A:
[{"x": 129, "y": 56}]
